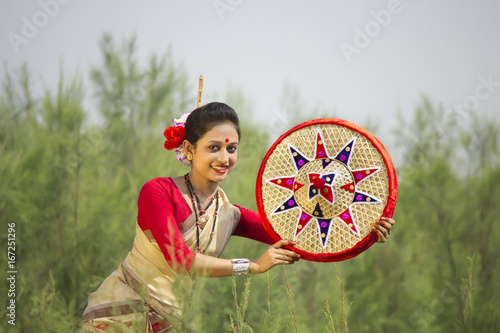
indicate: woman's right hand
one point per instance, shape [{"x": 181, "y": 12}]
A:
[{"x": 274, "y": 255}]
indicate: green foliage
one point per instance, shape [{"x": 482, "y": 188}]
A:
[{"x": 71, "y": 186}]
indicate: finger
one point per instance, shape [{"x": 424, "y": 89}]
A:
[
  {"x": 283, "y": 242},
  {"x": 384, "y": 230},
  {"x": 285, "y": 262},
  {"x": 288, "y": 253},
  {"x": 384, "y": 224},
  {"x": 388, "y": 219},
  {"x": 282, "y": 253},
  {"x": 294, "y": 256},
  {"x": 382, "y": 237},
  {"x": 284, "y": 258}
]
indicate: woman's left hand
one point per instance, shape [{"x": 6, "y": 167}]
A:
[{"x": 383, "y": 228}]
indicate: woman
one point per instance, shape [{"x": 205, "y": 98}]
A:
[{"x": 183, "y": 225}]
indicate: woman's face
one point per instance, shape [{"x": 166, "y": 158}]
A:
[{"x": 216, "y": 153}]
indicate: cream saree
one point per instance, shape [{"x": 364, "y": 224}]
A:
[{"x": 146, "y": 294}]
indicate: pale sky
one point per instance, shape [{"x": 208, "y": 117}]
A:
[{"x": 359, "y": 59}]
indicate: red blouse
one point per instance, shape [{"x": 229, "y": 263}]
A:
[{"x": 162, "y": 206}]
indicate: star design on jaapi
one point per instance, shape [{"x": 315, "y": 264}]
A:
[{"x": 321, "y": 187}]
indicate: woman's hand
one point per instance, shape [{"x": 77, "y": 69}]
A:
[
  {"x": 274, "y": 255},
  {"x": 383, "y": 228}
]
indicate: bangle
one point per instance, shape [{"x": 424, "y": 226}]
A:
[{"x": 240, "y": 266}]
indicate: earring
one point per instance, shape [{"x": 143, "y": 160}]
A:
[{"x": 190, "y": 157}]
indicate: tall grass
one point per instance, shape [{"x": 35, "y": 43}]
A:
[
  {"x": 238, "y": 324},
  {"x": 328, "y": 312},
  {"x": 292, "y": 303}
]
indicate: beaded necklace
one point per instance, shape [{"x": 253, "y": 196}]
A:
[{"x": 202, "y": 220}]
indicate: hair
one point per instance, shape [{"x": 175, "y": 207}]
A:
[{"x": 204, "y": 118}]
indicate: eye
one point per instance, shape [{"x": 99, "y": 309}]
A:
[
  {"x": 232, "y": 149},
  {"x": 213, "y": 147}
]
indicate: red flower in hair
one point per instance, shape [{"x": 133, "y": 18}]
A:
[{"x": 175, "y": 135}]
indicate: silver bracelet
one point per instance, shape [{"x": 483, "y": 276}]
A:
[{"x": 240, "y": 266}]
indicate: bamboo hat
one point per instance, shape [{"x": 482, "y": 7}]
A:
[{"x": 322, "y": 184}]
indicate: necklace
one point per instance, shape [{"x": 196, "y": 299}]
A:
[{"x": 202, "y": 219}]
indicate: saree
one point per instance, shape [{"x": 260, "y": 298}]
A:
[{"x": 146, "y": 293}]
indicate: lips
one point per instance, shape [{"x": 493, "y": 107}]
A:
[{"x": 220, "y": 168}]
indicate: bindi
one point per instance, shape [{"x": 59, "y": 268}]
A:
[{"x": 227, "y": 140}]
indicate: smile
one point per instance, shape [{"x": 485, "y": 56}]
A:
[{"x": 220, "y": 168}]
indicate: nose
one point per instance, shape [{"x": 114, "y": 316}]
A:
[{"x": 223, "y": 157}]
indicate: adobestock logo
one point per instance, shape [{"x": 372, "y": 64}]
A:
[
  {"x": 453, "y": 116},
  {"x": 222, "y": 7},
  {"x": 373, "y": 28},
  {"x": 31, "y": 27},
  {"x": 425, "y": 316}
]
